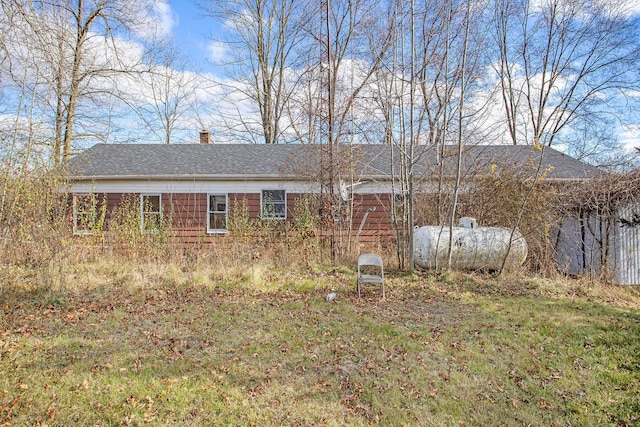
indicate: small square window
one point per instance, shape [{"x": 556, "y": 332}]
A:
[
  {"x": 150, "y": 212},
  {"x": 217, "y": 213},
  {"x": 274, "y": 204}
]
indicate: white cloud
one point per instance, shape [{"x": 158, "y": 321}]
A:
[
  {"x": 631, "y": 93},
  {"x": 623, "y": 8},
  {"x": 630, "y": 7},
  {"x": 218, "y": 52},
  {"x": 630, "y": 137},
  {"x": 158, "y": 22},
  {"x": 163, "y": 17}
]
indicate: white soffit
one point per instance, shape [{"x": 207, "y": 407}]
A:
[
  {"x": 201, "y": 187},
  {"x": 189, "y": 187}
]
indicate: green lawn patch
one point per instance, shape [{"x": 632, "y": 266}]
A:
[{"x": 157, "y": 346}]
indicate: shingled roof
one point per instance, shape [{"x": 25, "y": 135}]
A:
[{"x": 292, "y": 161}]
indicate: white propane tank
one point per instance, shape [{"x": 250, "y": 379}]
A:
[{"x": 474, "y": 247}]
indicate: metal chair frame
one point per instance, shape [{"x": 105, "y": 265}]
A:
[{"x": 370, "y": 260}]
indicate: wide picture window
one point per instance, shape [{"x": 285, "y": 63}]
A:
[{"x": 217, "y": 211}]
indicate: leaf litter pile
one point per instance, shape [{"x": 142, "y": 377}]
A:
[{"x": 459, "y": 350}]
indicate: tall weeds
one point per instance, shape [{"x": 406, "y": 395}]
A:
[
  {"x": 34, "y": 219},
  {"x": 495, "y": 200},
  {"x": 36, "y": 229},
  {"x": 35, "y": 225}
]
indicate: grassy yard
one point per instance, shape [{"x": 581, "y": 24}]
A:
[{"x": 162, "y": 345}]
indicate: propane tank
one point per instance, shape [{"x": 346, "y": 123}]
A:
[{"x": 474, "y": 248}]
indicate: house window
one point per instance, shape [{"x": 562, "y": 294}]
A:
[
  {"x": 84, "y": 213},
  {"x": 274, "y": 204},
  {"x": 217, "y": 213},
  {"x": 150, "y": 212}
]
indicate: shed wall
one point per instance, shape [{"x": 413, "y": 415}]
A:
[
  {"x": 627, "y": 251},
  {"x": 593, "y": 245}
]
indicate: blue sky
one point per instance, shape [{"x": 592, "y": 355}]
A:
[{"x": 192, "y": 32}]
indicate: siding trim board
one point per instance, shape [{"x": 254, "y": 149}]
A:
[
  {"x": 203, "y": 187},
  {"x": 246, "y": 186},
  {"x": 190, "y": 187}
]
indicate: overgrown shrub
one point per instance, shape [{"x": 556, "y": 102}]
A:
[
  {"x": 35, "y": 219},
  {"x": 36, "y": 225},
  {"x": 495, "y": 200},
  {"x": 126, "y": 236}
]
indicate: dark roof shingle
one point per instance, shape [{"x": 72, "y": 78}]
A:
[{"x": 291, "y": 161}]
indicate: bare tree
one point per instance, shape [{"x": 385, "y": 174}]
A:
[
  {"x": 354, "y": 44},
  {"x": 460, "y": 142},
  {"x": 560, "y": 61},
  {"x": 80, "y": 47},
  {"x": 342, "y": 49},
  {"x": 262, "y": 35},
  {"x": 427, "y": 70},
  {"x": 165, "y": 95}
]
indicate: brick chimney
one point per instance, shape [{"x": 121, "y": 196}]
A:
[{"x": 205, "y": 137}]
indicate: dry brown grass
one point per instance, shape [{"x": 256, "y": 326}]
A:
[
  {"x": 239, "y": 333},
  {"x": 169, "y": 344}
]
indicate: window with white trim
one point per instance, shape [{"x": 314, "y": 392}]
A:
[
  {"x": 84, "y": 213},
  {"x": 216, "y": 213},
  {"x": 273, "y": 204},
  {"x": 150, "y": 212}
]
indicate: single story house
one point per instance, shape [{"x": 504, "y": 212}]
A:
[{"x": 200, "y": 184}]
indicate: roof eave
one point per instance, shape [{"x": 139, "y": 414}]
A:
[
  {"x": 256, "y": 178},
  {"x": 189, "y": 177}
]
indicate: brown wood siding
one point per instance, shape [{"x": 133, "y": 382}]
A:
[
  {"x": 188, "y": 213},
  {"x": 240, "y": 201},
  {"x": 378, "y": 226},
  {"x": 116, "y": 201},
  {"x": 376, "y": 220}
]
